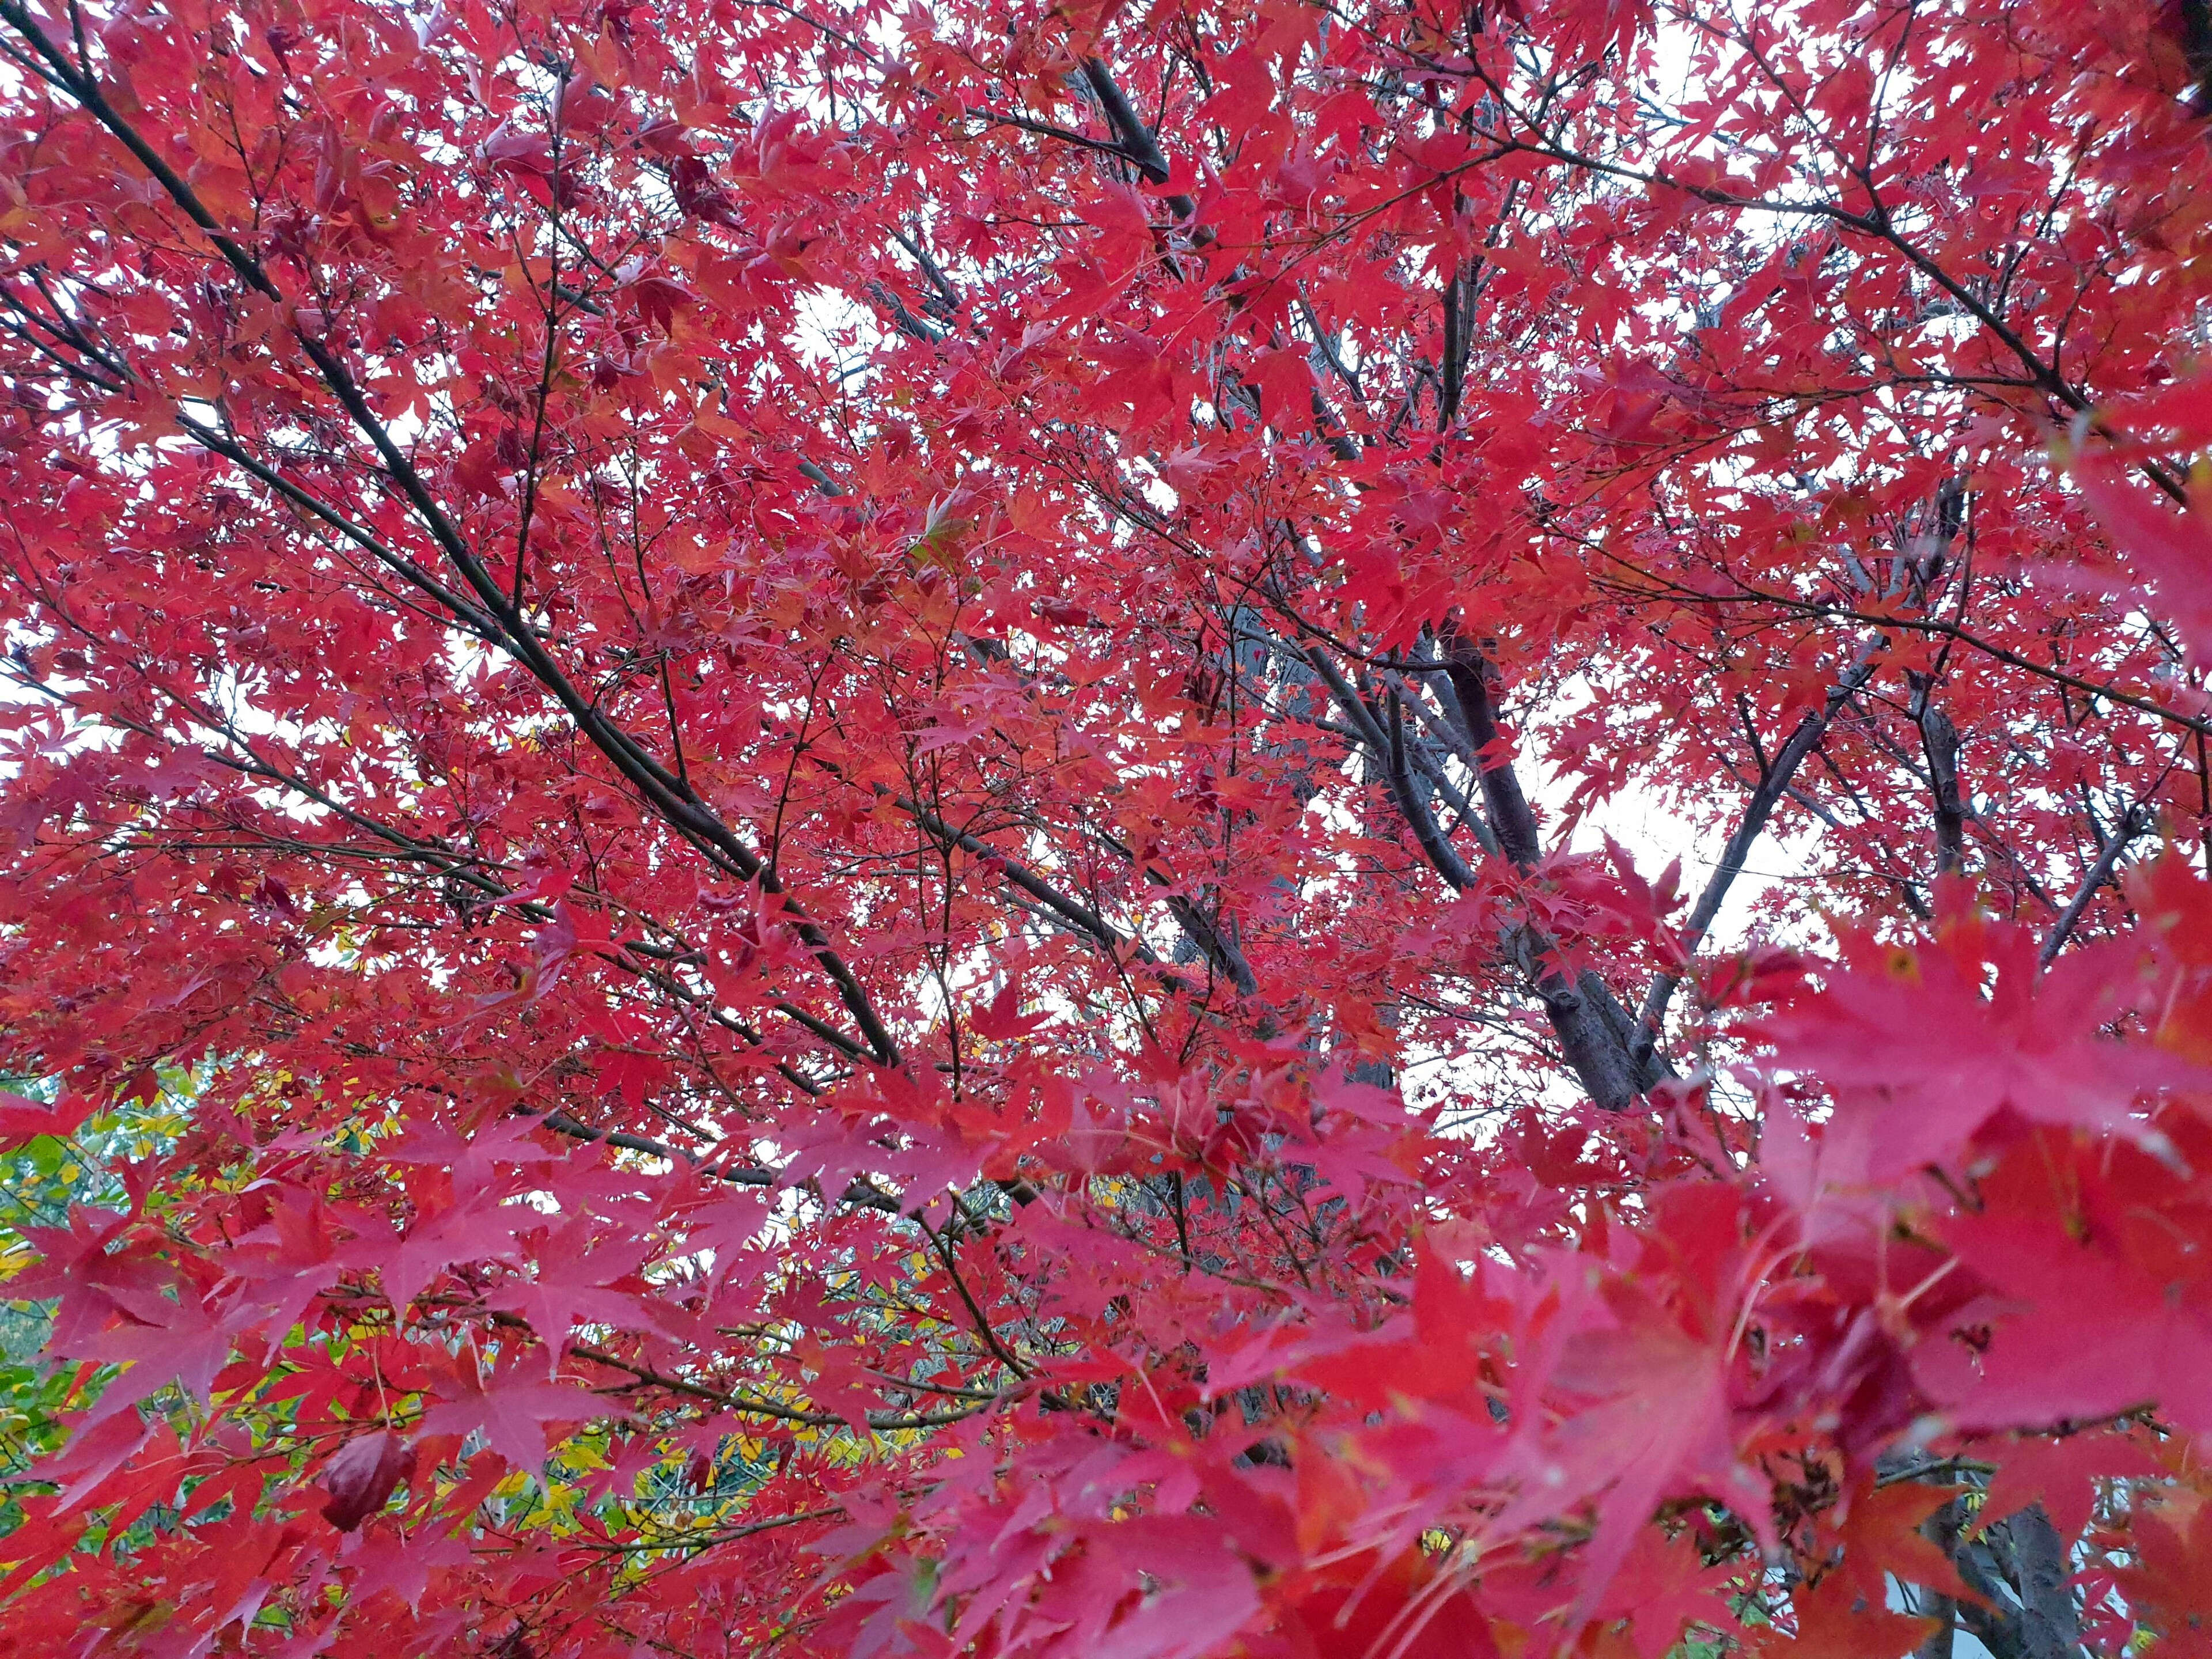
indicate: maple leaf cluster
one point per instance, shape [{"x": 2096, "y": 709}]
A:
[{"x": 844, "y": 829}]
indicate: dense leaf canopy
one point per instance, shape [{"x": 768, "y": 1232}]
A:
[{"x": 1272, "y": 827}]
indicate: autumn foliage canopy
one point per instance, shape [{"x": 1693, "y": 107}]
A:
[{"x": 1288, "y": 827}]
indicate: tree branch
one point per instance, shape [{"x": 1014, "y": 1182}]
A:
[{"x": 2133, "y": 823}]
